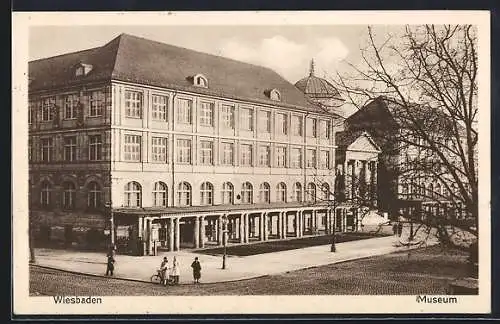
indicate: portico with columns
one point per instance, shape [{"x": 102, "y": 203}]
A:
[{"x": 195, "y": 229}]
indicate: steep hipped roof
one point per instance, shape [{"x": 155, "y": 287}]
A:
[{"x": 135, "y": 59}]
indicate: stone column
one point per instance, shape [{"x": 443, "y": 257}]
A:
[
  {"x": 327, "y": 221},
  {"x": 177, "y": 234},
  {"x": 170, "y": 234},
  {"x": 149, "y": 237},
  {"x": 219, "y": 230},
  {"x": 196, "y": 232},
  {"x": 246, "y": 223},
  {"x": 202, "y": 231},
  {"x": 261, "y": 226},
  {"x": 296, "y": 220},
  {"x": 242, "y": 228},
  {"x": 266, "y": 229},
  {"x": 285, "y": 224}
]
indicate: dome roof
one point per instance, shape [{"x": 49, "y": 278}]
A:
[{"x": 316, "y": 87}]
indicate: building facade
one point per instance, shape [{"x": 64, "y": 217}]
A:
[
  {"x": 146, "y": 145},
  {"x": 412, "y": 182}
]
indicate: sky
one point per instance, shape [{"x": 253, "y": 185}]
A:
[{"x": 286, "y": 49}]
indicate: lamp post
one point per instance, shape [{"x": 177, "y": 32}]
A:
[
  {"x": 111, "y": 225},
  {"x": 224, "y": 239}
]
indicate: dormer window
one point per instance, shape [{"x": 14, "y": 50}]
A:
[
  {"x": 275, "y": 95},
  {"x": 200, "y": 80},
  {"x": 83, "y": 69}
]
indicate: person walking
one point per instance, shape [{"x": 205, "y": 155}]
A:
[
  {"x": 163, "y": 270},
  {"x": 110, "y": 264},
  {"x": 400, "y": 229},
  {"x": 175, "y": 273},
  {"x": 196, "y": 270}
]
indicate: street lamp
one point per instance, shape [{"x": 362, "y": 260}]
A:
[
  {"x": 224, "y": 239},
  {"x": 111, "y": 224}
]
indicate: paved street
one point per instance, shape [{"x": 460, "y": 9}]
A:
[
  {"x": 426, "y": 271},
  {"x": 141, "y": 268}
]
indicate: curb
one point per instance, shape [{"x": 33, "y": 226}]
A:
[{"x": 143, "y": 281}]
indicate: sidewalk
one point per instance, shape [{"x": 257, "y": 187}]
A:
[{"x": 237, "y": 268}]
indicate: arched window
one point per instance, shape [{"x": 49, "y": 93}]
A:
[
  {"x": 133, "y": 194},
  {"x": 227, "y": 193},
  {"x": 69, "y": 195},
  {"x": 311, "y": 192},
  {"x": 297, "y": 192},
  {"x": 325, "y": 188},
  {"x": 275, "y": 95},
  {"x": 94, "y": 195},
  {"x": 200, "y": 81},
  {"x": 160, "y": 194},
  {"x": 184, "y": 194},
  {"x": 45, "y": 193},
  {"x": 247, "y": 193},
  {"x": 281, "y": 192},
  {"x": 264, "y": 193},
  {"x": 207, "y": 193}
]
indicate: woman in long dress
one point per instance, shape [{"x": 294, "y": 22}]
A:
[{"x": 175, "y": 273}]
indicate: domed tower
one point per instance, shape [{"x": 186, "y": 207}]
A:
[{"x": 321, "y": 92}]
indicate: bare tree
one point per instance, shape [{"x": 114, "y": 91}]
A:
[{"x": 427, "y": 78}]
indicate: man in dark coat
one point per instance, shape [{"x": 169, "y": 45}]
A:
[
  {"x": 111, "y": 265},
  {"x": 196, "y": 270}
]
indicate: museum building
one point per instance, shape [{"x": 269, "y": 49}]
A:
[{"x": 150, "y": 146}]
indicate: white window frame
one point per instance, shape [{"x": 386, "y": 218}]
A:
[
  {"x": 207, "y": 114},
  {"x": 297, "y": 192},
  {"x": 133, "y": 104},
  {"x": 281, "y": 192},
  {"x": 70, "y": 104},
  {"x": 184, "y": 194},
  {"x": 281, "y": 155},
  {"x": 227, "y": 112},
  {"x": 227, "y": 154},
  {"x": 47, "y": 105},
  {"x": 132, "y": 148},
  {"x": 159, "y": 109},
  {"x": 206, "y": 152},
  {"x": 311, "y": 127},
  {"x": 68, "y": 195},
  {"x": 206, "y": 194},
  {"x": 96, "y": 99},
  {"x": 184, "y": 111},
  {"x": 296, "y": 160},
  {"x": 246, "y": 154},
  {"x": 282, "y": 123},
  {"x": 184, "y": 151},
  {"x": 133, "y": 194},
  {"x": 311, "y": 158},
  {"x": 265, "y": 119},
  {"x": 95, "y": 147},
  {"x": 247, "y": 116},
  {"x": 160, "y": 194},
  {"x": 46, "y": 148},
  {"x": 94, "y": 195},
  {"x": 247, "y": 193},
  {"x": 297, "y": 125},
  {"x": 70, "y": 148},
  {"x": 227, "y": 193},
  {"x": 159, "y": 149},
  {"x": 265, "y": 193},
  {"x": 265, "y": 155},
  {"x": 324, "y": 159}
]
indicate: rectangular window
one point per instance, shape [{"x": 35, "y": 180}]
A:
[
  {"x": 184, "y": 111},
  {"x": 133, "y": 104},
  {"x": 296, "y": 125},
  {"x": 31, "y": 110},
  {"x": 281, "y": 156},
  {"x": 183, "y": 151},
  {"x": 246, "y": 119},
  {"x": 282, "y": 124},
  {"x": 296, "y": 158},
  {"x": 206, "y": 152},
  {"x": 265, "y": 121},
  {"x": 207, "y": 114},
  {"x": 311, "y": 127},
  {"x": 70, "y": 148},
  {"x": 96, "y": 103},
  {"x": 311, "y": 158},
  {"x": 228, "y": 116},
  {"x": 46, "y": 149},
  {"x": 325, "y": 160},
  {"x": 265, "y": 155},
  {"x": 70, "y": 102},
  {"x": 159, "y": 109},
  {"x": 95, "y": 147},
  {"x": 47, "y": 106},
  {"x": 227, "y": 153},
  {"x": 133, "y": 148},
  {"x": 159, "y": 149},
  {"x": 324, "y": 126},
  {"x": 246, "y": 154}
]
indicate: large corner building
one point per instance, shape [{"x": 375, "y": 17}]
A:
[{"x": 148, "y": 145}]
